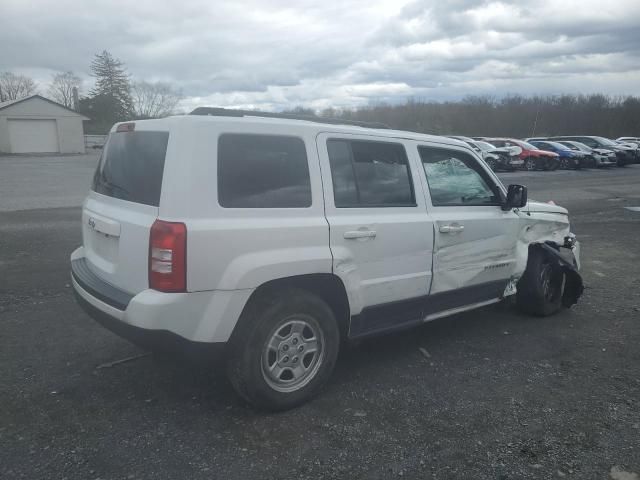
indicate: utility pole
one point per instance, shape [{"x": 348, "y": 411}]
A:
[
  {"x": 75, "y": 98},
  {"x": 535, "y": 122}
]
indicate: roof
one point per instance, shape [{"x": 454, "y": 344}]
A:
[
  {"x": 9, "y": 103},
  {"x": 295, "y": 127}
]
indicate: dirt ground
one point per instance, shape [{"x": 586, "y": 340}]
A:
[{"x": 497, "y": 395}]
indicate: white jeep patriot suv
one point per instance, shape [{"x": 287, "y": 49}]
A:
[{"x": 272, "y": 239}]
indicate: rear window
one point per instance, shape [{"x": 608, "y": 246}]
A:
[
  {"x": 131, "y": 167},
  {"x": 263, "y": 171}
]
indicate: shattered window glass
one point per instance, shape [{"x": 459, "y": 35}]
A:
[{"x": 455, "y": 179}]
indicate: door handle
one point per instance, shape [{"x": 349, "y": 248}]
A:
[
  {"x": 451, "y": 228},
  {"x": 356, "y": 234}
]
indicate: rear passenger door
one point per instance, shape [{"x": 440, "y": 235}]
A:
[
  {"x": 475, "y": 240},
  {"x": 380, "y": 235}
]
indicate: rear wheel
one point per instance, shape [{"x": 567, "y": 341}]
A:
[
  {"x": 530, "y": 164},
  {"x": 564, "y": 164},
  {"x": 283, "y": 350},
  {"x": 539, "y": 291}
]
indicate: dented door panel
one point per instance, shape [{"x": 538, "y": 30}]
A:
[{"x": 483, "y": 252}]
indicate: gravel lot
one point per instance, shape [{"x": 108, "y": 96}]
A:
[{"x": 499, "y": 395}]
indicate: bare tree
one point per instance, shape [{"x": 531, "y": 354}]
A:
[
  {"x": 154, "y": 100},
  {"x": 13, "y": 87},
  {"x": 61, "y": 88}
]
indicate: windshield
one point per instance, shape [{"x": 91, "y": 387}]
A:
[
  {"x": 527, "y": 145},
  {"x": 558, "y": 145},
  {"x": 576, "y": 146},
  {"x": 131, "y": 167},
  {"x": 606, "y": 141}
]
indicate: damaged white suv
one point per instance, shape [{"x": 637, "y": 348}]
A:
[{"x": 272, "y": 240}]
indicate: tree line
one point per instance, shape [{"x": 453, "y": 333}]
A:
[
  {"x": 114, "y": 97},
  {"x": 511, "y": 116}
]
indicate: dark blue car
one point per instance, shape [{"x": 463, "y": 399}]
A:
[{"x": 568, "y": 158}]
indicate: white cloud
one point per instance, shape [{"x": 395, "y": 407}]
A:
[{"x": 277, "y": 54}]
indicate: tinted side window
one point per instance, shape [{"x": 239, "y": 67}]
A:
[
  {"x": 370, "y": 174},
  {"x": 455, "y": 179},
  {"x": 345, "y": 191},
  {"x": 262, "y": 171}
]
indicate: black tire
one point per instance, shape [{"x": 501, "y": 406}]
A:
[
  {"x": 258, "y": 324},
  {"x": 564, "y": 164},
  {"x": 530, "y": 164},
  {"x": 493, "y": 164},
  {"x": 539, "y": 291}
]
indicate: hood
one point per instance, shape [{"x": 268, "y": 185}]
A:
[
  {"x": 603, "y": 151},
  {"x": 623, "y": 148},
  {"x": 534, "y": 206}
]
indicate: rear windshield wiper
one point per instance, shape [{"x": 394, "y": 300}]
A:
[{"x": 112, "y": 186}]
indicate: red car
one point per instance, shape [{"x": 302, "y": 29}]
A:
[{"x": 534, "y": 158}]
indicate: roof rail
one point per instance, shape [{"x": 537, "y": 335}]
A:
[{"x": 227, "y": 112}]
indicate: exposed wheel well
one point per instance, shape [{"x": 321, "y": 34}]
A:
[{"x": 327, "y": 286}]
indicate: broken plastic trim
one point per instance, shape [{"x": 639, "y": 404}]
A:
[{"x": 566, "y": 261}]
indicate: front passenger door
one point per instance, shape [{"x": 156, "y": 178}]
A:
[{"x": 474, "y": 244}]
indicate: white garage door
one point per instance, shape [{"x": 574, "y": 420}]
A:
[{"x": 33, "y": 136}]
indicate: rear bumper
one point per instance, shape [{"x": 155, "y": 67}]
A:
[
  {"x": 154, "y": 340},
  {"x": 197, "y": 320}
]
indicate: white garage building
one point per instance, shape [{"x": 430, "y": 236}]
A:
[{"x": 38, "y": 125}]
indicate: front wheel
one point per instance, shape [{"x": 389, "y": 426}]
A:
[
  {"x": 493, "y": 165},
  {"x": 564, "y": 164},
  {"x": 539, "y": 291},
  {"x": 283, "y": 350}
]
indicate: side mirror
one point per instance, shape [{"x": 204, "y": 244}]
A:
[{"x": 516, "y": 197}]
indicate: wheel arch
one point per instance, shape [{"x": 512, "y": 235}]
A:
[{"x": 328, "y": 286}]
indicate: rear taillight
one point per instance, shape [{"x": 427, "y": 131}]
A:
[{"x": 168, "y": 256}]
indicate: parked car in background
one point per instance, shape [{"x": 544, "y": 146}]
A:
[
  {"x": 498, "y": 158},
  {"x": 568, "y": 158},
  {"x": 532, "y": 157},
  {"x": 624, "y": 155},
  {"x": 634, "y": 146},
  {"x": 596, "y": 157},
  {"x": 635, "y": 140}
]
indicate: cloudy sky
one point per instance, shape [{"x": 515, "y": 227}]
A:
[{"x": 275, "y": 54}]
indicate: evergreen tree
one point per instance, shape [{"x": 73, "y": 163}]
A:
[{"x": 112, "y": 90}]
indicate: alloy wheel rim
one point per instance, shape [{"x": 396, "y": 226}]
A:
[{"x": 293, "y": 354}]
